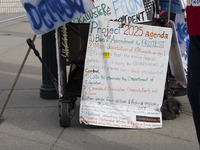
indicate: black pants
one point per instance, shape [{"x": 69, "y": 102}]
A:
[{"x": 193, "y": 87}]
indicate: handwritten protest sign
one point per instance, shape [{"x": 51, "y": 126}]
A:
[
  {"x": 132, "y": 10},
  {"x": 178, "y": 54},
  {"x": 46, "y": 15},
  {"x": 183, "y": 39},
  {"x": 124, "y": 75}
]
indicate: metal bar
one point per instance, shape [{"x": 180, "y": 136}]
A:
[
  {"x": 16, "y": 79},
  {"x": 12, "y": 18},
  {"x": 169, "y": 10}
]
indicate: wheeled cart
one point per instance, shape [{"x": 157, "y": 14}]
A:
[
  {"x": 74, "y": 60},
  {"x": 71, "y": 50},
  {"x": 72, "y": 42}
]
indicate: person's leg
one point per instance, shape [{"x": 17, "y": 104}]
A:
[{"x": 193, "y": 87}]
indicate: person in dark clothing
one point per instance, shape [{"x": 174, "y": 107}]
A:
[{"x": 193, "y": 87}]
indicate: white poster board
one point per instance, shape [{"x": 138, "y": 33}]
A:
[
  {"x": 124, "y": 75},
  {"x": 132, "y": 10}
]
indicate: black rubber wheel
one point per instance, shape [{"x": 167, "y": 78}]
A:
[
  {"x": 65, "y": 114},
  {"x": 171, "y": 112}
]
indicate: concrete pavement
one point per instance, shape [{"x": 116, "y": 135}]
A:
[{"x": 33, "y": 123}]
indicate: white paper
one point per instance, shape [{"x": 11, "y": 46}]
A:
[{"x": 124, "y": 76}]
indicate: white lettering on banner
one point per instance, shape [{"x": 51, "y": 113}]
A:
[
  {"x": 124, "y": 75},
  {"x": 47, "y": 15}
]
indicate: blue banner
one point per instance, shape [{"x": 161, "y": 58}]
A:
[
  {"x": 175, "y": 6},
  {"x": 46, "y": 15}
]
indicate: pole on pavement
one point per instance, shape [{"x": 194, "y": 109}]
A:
[
  {"x": 16, "y": 79},
  {"x": 48, "y": 90}
]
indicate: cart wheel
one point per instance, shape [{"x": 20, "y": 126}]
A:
[
  {"x": 171, "y": 112},
  {"x": 64, "y": 114}
]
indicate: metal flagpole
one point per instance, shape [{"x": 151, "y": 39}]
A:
[
  {"x": 182, "y": 8},
  {"x": 16, "y": 79},
  {"x": 169, "y": 10}
]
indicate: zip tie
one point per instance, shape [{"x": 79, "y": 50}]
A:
[
  {"x": 65, "y": 51},
  {"x": 64, "y": 56},
  {"x": 63, "y": 28},
  {"x": 64, "y": 39},
  {"x": 167, "y": 23},
  {"x": 65, "y": 45},
  {"x": 64, "y": 35}
]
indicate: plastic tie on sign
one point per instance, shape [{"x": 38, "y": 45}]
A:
[{"x": 167, "y": 23}]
